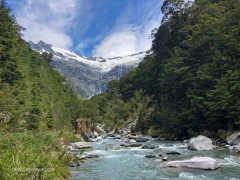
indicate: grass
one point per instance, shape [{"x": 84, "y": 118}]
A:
[{"x": 30, "y": 155}]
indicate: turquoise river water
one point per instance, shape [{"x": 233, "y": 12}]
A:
[{"x": 130, "y": 163}]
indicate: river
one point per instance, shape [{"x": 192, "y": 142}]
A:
[{"x": 130, "y": 163}]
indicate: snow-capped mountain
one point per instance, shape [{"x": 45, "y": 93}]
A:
[{"x": 89, "y": 75}]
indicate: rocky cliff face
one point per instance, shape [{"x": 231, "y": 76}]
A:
[{"x": 89, "y": 75}]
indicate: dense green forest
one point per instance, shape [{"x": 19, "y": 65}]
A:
[
  {"x": 37, "y": 108},
  {"x": 189, "y": 83}
]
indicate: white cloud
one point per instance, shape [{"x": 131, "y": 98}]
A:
[
  {"x": 48, "y": 20},
  {"x": 124, "y": 40},
  {"x": 127, "y": 41},
  {"x": 117, "y": 44}
]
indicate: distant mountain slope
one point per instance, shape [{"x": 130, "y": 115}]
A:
[{"x": 89, "y": 75}]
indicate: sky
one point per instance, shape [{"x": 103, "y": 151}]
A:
[{"x": 106, "y": 28}]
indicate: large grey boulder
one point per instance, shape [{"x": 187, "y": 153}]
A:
[
  {"x": 234, "y": 139},
  {"x": 200, "y": 143},
  {"x": 236, "y": 148},
  {"x": 206, "y": 163}
]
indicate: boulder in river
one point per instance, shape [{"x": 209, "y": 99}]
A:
[
  {"x": 200, "y": 143},
  {"x": 236, "y": 148},
  {"x": 88, "y": 156},
  {"x": 130, "y": 136},
  {"x": 132, "y": 141},
  {"x": 150, "y": 146},
  {"x": 234, "y": 139},
  {"x": 153, "y": 155},
  {"x": 206, "y": 163},
  {"x": 131, "y": 145},
  {"x": 172, "y": 152},
  {"x": 118, "y": 136},
  {"x": 165, "y": 158},
  {"x": 142, "y": 139}
]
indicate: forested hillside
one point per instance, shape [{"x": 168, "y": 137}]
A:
[
  {"x": 35, "y": 101},
  {"x": 190, "y": 83},
  {"x": 32, "y": 94}
]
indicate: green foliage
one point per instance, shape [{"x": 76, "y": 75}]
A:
[
  {"x": 33, "y": 156},
  {"x": 31, "y": 91},
  {"x": 34, "y": 99}
]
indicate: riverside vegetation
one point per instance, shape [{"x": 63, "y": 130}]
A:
[
  {"x": 37, "y": 109},
  {"x": 189, "y": 84}
]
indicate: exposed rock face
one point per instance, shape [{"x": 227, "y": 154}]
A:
[
  {"x": 84, "y": 128},
  {"x": 206, "y": 163},
  {"x": 99, "y": 129},
  {"x": 234, "y": 138},
  {"x": 200, "y": 143}
]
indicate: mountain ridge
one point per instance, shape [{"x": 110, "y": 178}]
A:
[{"x": 89, "y": 75}]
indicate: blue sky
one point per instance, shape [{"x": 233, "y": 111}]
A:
[{"x": 106, "y": 28}]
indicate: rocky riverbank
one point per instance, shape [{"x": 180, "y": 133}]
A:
[{"x": 170, "y": 157}]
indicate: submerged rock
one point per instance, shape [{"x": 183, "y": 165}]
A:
[
  {"x": 200, "y": 143},
  {"x": 206, "y": 163},
  {"x": 131, "y": 145},
  {"x": 142, "y": 139},
  {"x": 158, "y": 160},
  {"x": 234, "y": 139},
  {"x": 153, "y": 155},
  {"x": 149, "y": 146},
  {"x": 172, "y": 152},
  {"x": 88, "y": 156},
  {"x": 112, "y": 148}
]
